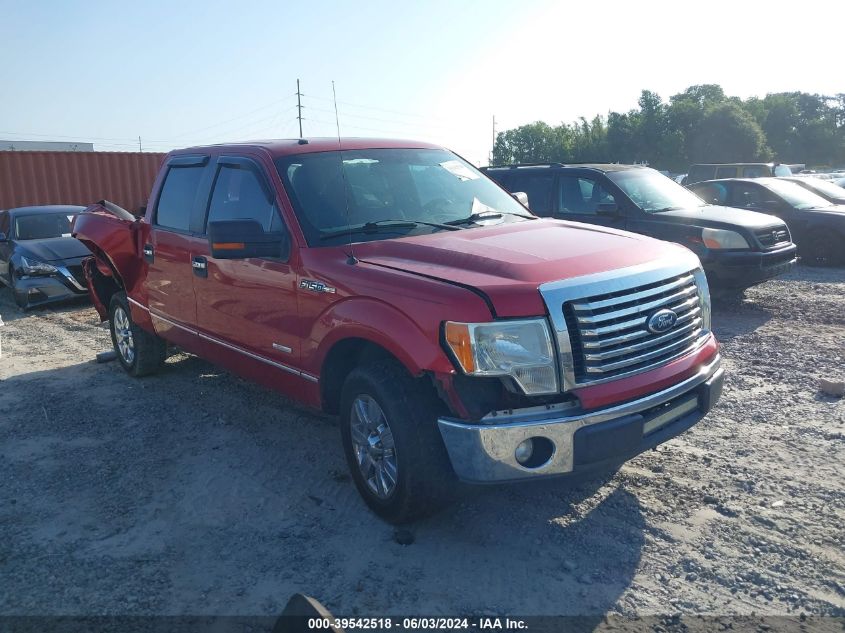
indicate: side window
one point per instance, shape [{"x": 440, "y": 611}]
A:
[
  {"x": 539, "y": 188},
  {"x": 747, "y": 196},
  {"x": 754, "y": 172},
  {"x": 712, "y": 193},
  {"x": 4, "y": 222},
  {"x": 239, "y": 195},
  {"x": 726, "y": 172},
  {"x": 176, "y": 200},
  {"x": 697, "y": 173},
  {"x": 582, "y": 195}
]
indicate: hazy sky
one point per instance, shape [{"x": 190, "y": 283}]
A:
[{"x": 181, "y": 72}]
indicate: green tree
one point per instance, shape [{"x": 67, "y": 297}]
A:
[{"x": 726, "y": 134}]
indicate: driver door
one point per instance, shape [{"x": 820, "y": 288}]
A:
[
  {"x": 247, "y": 307},
  {"x": 586, "y": 199}
]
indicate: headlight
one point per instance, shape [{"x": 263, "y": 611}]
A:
[
  {"x": 703, "y": 297},
  {"x": 34, "y": 267},
  {"x": 720, "y": 238},
  {"x": 522, "y": 350}
]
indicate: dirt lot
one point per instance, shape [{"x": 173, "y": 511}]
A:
[{"x": 194, "y": 492}]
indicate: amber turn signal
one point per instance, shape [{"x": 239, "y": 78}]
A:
[
  {"x": 458, "y": 340},
  {"x": 228, "y": 246}
]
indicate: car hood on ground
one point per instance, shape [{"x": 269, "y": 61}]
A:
[
  {"x": 53, "y": 249},
  {"x": 713, "y": 215},
  {"x": 509, "y": 261}
]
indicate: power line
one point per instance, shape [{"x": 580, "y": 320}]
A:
[{"x": 363, "y": 107}]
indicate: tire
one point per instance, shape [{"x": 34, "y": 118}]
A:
[
  {"x": 423, "y": 479},
  {"x": 824, "y": 249},
  {"x": 139, "y": 352}
]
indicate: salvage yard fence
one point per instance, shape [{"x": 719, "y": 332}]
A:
[{"x": 37, "y": 178}]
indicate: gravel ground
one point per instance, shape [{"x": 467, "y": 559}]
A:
[{"x": 195, "y": 492}]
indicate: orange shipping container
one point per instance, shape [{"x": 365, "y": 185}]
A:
[{"x": 31, "y": 178}]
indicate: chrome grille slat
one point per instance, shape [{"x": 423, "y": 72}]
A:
[
  {"x": 608, "y": 332},
  {"x": 772, "y": 236},
  {"x": 637, "y": 309},
  {"x": 636, "y": 296},
  {"x": 633, "y": 336},
  {"x": 695, "y": 325},
  {"x": 641, "y": 358}
]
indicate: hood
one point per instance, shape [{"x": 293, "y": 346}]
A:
[
  {"x": 53, "y": 249},
  {"x": 836, "y": 210},
  {"x": 712, "y": 215},
  {"x": 509, "y": 261}
]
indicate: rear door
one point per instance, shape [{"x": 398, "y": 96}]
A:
[
  {"x": 174, "y": 240},
  {"x": 538, "y": 185},
  {"x": 247, "y": 308}
]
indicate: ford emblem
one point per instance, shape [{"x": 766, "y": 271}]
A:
[{"x": 661, "y": 321}]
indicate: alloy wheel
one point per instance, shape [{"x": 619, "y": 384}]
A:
[{"x": 375, "y": 449}]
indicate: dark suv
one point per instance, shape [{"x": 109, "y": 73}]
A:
[{"x": 737, "y": 249}]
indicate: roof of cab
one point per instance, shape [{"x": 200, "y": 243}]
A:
[
  {"x": 288, "y": 146},
  {"x": 605, "y": 167}
]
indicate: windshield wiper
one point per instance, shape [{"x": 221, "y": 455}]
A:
[
  {"x": 485, "y": 215},
  {"x": 666, "y": 209},
  {"x": 378, "y": 225}
]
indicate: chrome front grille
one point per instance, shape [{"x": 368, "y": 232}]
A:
[
  {"x": 773, "y": 236},
  {"x": 609, "y": 334}
]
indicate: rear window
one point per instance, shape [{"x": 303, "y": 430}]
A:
[{"x": 176, "y": 200}]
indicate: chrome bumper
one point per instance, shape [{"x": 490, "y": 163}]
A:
[{"x": 485, "y": 452}]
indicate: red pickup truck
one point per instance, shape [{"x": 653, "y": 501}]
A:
[{"x": 457, "y": 336}]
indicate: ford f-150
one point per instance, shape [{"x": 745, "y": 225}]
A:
[{"x": 456, "y": 335}]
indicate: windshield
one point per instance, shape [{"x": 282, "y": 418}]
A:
[
  {"x": 652, "y": 192},
  {"x": 824, "y": 187},
  {"x": 796, "y": 195},
  {"x": 400, "y": 188},
  {"x": 43, "y": 226}
]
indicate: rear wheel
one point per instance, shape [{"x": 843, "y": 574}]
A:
[
  {"x": 825, "y": 249},
  {"x": 139, "y": 352},
  {"x": 392, "y": 444}
]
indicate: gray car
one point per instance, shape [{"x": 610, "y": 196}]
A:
[{"x": 39, "y": 260}]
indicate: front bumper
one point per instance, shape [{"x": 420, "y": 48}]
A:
[
  {"x": 741, "y": 269},
  {"x": 581, "y": 441},
  {"x": 36, "y": 290}
]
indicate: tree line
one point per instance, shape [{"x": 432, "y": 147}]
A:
[{"x": 699, "y": 125}]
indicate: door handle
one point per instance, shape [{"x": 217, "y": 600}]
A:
[
  {"x": 200, "y": 266},
  {"x": 149, "y": 253}
]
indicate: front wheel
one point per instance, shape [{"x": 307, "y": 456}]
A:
[
  {"x": 392, "y": 444},
  {"x": 140, "y": 353}
]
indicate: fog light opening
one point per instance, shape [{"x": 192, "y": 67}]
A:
[{"x": 534, "y": 452}]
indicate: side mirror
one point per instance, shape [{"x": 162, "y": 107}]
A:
[
  {"x": 3, "y": 237},
  {"x": 240, "y": 239},
  {"x": 610, "y": 209},
  {"x": 521, "y": 197}
]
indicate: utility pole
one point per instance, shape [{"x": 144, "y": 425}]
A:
[
  {"x": 494, "y": 139},
  {"x": 299, "y": 107},
  {"x": 140, "y": 148}
]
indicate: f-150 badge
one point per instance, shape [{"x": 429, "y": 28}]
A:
[{"x": 315, "y": 286}]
